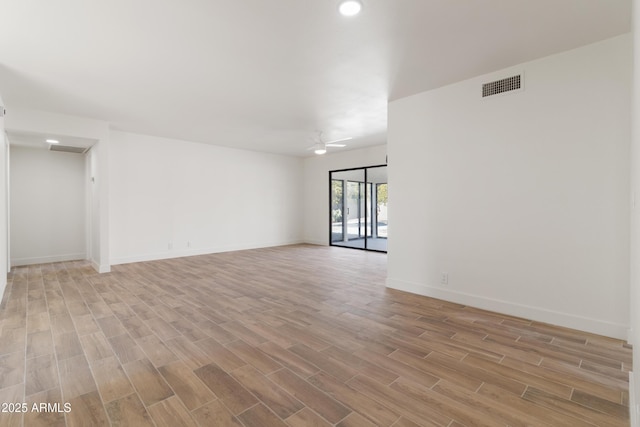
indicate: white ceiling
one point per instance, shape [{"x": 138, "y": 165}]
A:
[{"x": 266, "y": 74}]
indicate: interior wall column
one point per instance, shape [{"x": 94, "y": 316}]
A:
[{"x": 634, "y": 333}]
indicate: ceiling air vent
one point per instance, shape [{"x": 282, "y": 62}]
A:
[
  {"x": 501, "y": 86},
  {"x": 68, "y": 149}
]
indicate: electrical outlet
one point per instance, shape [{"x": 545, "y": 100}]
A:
[
  {"x": 188, "y": 244},
  {"x": 444, "y": 278},
  {"x": 170, "y": 245}
]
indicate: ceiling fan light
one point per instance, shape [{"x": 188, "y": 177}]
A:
[
  {"x": 350, "y": 7},
  {"x": 320, "y": 150}
]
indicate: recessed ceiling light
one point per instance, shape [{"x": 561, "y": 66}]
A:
[
  {"x": 53, "y": 141},
  {"x": 350, "y": 7}
]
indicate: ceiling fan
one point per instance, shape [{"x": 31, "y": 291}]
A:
[{"x": 320, "y": 146}]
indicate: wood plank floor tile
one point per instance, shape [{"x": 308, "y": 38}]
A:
[
  {"x": 215, "y": 414},
  {"x": 371, "y": 409},
  {"x": 270, "y": 394},
  {"x": 253, "y": 356},
  {"x": 41, "y": 375},
  {"x": 570, "y": 408},
  {"x": 75, "y": 377},
  {"x": 54, "y": 418},
  {"x": 541, "y": 414},
  {"x": 323, "y": 404},
  {"x": 520, "y": 373},
  {"x": 136, "y": 327},
  {"x": 62, "y": 324},
  {"x": 162, "y": 328},
  {"x": 38, "y": 322},
  {"x": 216, "y": 331},
  {"x": 226, "y": 388},
  {"x": 111, "y": 326},
  {"x": 147, "y": 381},
  {"x": 12, "y": 369},
  {"x": 426, "y": 364},
  {"x": 12, "y": 339},
  {"x": 13, "y": 393},
  {"x": 126, "y": 348},
  {"x": 156, "y": 350},
  {"x": 404, "y": 422},
  {"x": 244, "y": 333},
  {"x": 404, "y": 403},
  {"x": 306, "y": 418},
  {"x": 129, "y": 411},
  {"x": 189, "y": 352},
  {"x": 516, "y": 387},
  {"x": 496, "y": 410},
  {"x": 87, "y": 410},
  {"x": 171, "y": 413},
  {"x": 295, "y": 335},
  {"x": 568, "y": 378},
  {"x": 86, "y": 325},
  {"x": 355, "y": 420},
  {"x": 399, "y": 368},
  {"x": 67, "y": 345},
  {"x": 361, "y": 365},
  {"x": 290, "y": 360},
  {"x": 324, "y": 362},
  {"x": 260, "y": 416},
  {"x": 188, "y": 330},
  {"x": 96, "y": 346},
  {"x": 111, "y": 379},
  {"x": 39, "y": 344},
  {"x": 121, "y": 310},
  {"x": 602, "y": 405},
  {"x": 220, "y": 355},
  {"x": 186, "y": 385}
]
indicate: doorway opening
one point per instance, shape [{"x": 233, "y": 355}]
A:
[
  {"x": 48, "y": 196},
  {"x": 358, "y": 208}
]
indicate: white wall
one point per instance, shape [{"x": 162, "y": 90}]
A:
[
  {"x": 634, "y": 336},
  {"x": 4, "y": 205},
  {"x": 523, "y": 198},
  {"x": 172, "y": 198},
  {"x": 316, "y": 186},
  {"x": 47, "y": 206},
  {"x": 23, "y": 120}
]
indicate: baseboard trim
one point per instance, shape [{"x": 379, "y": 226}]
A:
[
  {"x": 633, "y": 406},
  {"x": 595, "y": 326},
  {"x": 316, "y": 242},
  {"x": 100, "y": 268},
  {"x": 17, "y": 262},
  {"x": 195, "y": 252}
]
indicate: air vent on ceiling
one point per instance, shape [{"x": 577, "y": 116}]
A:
[
  {"x": 68, "y": 149},
  {"x": 501, "y": 86}
]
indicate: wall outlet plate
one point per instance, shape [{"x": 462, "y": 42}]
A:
[{"x": 444, "y": 278}]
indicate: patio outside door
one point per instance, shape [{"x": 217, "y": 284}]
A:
[{"x": 358, "y": 213}]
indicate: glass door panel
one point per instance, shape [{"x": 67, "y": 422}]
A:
[
  {"x": 381, "y": 220},
  {"x": 358, "y": 214},
  {"x": 377, "y": 197},
  {"x": 348, "y": 223},
  {"x": 355, "y": 201},
  {"x": 337, "y": 208}
]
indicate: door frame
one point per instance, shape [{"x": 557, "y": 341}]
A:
[{"x": 371, "y": 216}]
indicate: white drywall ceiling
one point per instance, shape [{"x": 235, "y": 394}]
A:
[{"x": 264, "y": 75}]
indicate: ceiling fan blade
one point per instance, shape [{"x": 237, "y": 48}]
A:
[
  {"x": 339, "y": 140},
  {"x": 334, "y": 145}
]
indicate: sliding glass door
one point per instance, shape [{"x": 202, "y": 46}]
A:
[{"x": 358, "y": 213}]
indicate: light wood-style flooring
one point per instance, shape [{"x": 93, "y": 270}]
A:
[{"x": 288, "y": 336}]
